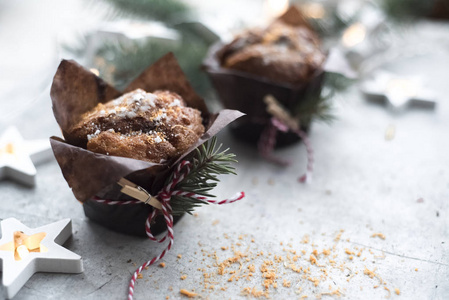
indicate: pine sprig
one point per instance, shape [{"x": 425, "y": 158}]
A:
[
  {"x": 407, "y": 10},
  {"x": 208, "y": 161},
  {"x": 319, "y": 107},
  {"x": 161, "y": 10}
]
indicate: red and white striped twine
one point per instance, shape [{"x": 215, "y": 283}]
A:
[
  {"x": 267, "y": 142},
  {"x": 164, "y": 196}
]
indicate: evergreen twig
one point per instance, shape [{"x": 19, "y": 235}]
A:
[
  {"x": 161, "y": 10},
  {"x": 208, "y": 161},
  {"x": 319, "y": 107}
]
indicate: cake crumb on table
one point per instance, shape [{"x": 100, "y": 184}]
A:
[
  {"x": 369, "y": 273},
  {"x": 286, "y": 283},
  {"x": 183, "y": 277},
  {"x": 397, "y": 291},
  {"x": 389, "y": 292},
  {"x": 179, "y": 256},
  {"x": 162, "y": 265},
  {"x": 188, "y": 293},
  {"x": 379, "y": 235}
]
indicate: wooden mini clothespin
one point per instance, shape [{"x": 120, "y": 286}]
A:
[
  {"x": 137, "y": 192},
  {"x": 282, "y": 114}
]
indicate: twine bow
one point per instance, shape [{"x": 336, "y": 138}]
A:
[
  {"x": 164, "y": 196},
  {"x": 281, "y": 120}
]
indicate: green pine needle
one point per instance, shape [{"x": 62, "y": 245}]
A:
[
  {"x": 407, "y": 10},
  {"x": 168, "y": 11},
  {"x": 208, "y": 161},
  {"x": 320, "y": 108}
]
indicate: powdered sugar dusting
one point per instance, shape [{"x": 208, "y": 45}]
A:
[
  {"x": 94, "y": 135},
  {"x": 175, "y": 102},
  {"x": 157, "y": 139}
]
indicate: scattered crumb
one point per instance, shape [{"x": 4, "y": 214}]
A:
[
  {"x": 416, "y": 269},
  {"x": 379, "y": 235},
  {"x": 338, "y": 237},
  {"x": 188, "y": 293},
  {"x": 389, "y": 292},
  {"x": 215, "y": 222},
  {"x": 139, "y": 276},
  {"x": 397, "y": 291},
  {"x": 195, "y": 214},
  {"x": 183, "y": 277},
  {"x": 349, "y": 252},
  {"x": 254, "y": 292},
  {"x": 179, "y": 256},
  {"x": 224, "y": 248},
  {"x": 390, "y": 132},
  {"x": 369, "y": 273},
  {"x": 162, "y": 265}
]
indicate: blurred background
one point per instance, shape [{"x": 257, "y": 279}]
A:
[{"x": 117, "y": 39}]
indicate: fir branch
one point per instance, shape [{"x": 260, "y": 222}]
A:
[
  {"x": 407, "y": 10},
  {"x": 162, "y": 10},
  {"x": 319, "y": 107},
  {"x": 122, "y": 63},
  {"x": 208, "y": 161}
]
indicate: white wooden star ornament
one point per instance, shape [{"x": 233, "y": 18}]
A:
[
  {"x": 398, "y": 92},
  {"x": 17, "y": 156},
  {"x": 25, "y": 251}
]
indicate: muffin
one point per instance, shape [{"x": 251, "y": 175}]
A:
[
  {"x": 140, "y": 134},
  {"x": 281, "y": 52},
  {"x": 153, "y": 127},
  {"x": 284, "y": 60}
]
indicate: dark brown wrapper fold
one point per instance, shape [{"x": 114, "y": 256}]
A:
[
  {"x": 75, "y": 91},
  {"x": 245, "y": 92}
]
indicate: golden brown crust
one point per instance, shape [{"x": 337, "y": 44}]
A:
[
  {"x": 153, "y": 127},
  {"x": 281, "y": 52}
]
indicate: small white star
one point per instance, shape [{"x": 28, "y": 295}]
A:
[
  {"x": 25, "y": 251},
  {"x": 17, "y": 156},
  {"x": 398, "y": 92}
]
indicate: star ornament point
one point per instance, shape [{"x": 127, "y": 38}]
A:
[
  {"x": 25, "y": 251},
  {"x": 398, "y": 92},
  {"x": 17, "y": 156}
]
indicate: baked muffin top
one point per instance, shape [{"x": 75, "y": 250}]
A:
[
  {"x": 281, "y": 52},
  {"x": 153, "y": 127}
]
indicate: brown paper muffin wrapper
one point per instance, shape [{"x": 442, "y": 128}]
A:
[
  {"x": 245, "y": 92},
  {"x": 75, "y": 91}
]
